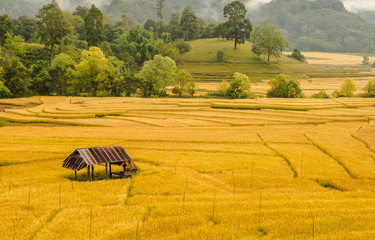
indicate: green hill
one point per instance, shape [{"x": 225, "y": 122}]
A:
[
  {"x": 320, "y": 25},
  {"x": 202, "y": 63}
]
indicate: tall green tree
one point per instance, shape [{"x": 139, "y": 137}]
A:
[
  {"x": 25, "y": 27},
  {"x": 270, "y": 43},
  {"x": 60, "y": 70},
  {"x": 159, "y": 9},
  {"x": 90, "y": 71},
  {"x": 156, "y": 75},
  {"x": 94, "y": 26},
  {"x": 174, "y": 27},
  {"x": 189, "y": 24},
  {"x": 238, "y": 26},
  {"x": 52, "y": 25},
  {"x": 6, "y": 26}
]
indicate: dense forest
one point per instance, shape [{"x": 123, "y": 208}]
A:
[{"x": 321, "y": 25}]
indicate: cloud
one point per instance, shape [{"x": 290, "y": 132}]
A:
[
  {"x": 255, "y": 4},
  {"x": 356, "y": 5}
]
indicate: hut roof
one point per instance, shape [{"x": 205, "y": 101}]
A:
[{"x": 82, "y": 158}]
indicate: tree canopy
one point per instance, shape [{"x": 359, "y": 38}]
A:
[
  {"x": 238, "y": 27},
  {"x": 52, "y": 25},
  {"x": 94, "y": 26}
]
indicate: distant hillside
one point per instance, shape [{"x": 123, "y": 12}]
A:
[{"x": 320, "y": 25}]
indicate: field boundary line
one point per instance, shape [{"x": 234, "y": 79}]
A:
[
  {"x": 325, "y": 151},
  {"x": 368, "y": 145},
  {"x": 49, "y": 220},
  {"x": 295, "y": 174}
]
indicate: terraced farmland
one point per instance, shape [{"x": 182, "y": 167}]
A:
[{"x": 204, "y": 165}]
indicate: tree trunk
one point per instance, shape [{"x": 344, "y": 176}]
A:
[
  {"x": 268, "y": 59},
  {"x": 235, "y": 44},
  {"x": 52, "y": 46}
]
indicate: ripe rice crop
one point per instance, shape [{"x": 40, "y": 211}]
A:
[{"x": 202, "y": 169}]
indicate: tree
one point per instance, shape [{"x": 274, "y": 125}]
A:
[
  {"x": 174, "y": 27},
  {"x": 17, "y": 78},
  {"x": 370, "y": 87},
  {"x": 137, "y": 43},
  {"x": 125, "y": 23},
  {"x": 52, "y": 25},
  {"x": 26, "y": 27},
  {"x": 189, "y": 24},
  {"x": 270, "y": 43},
  {"x": 80, "y": 11},
  {"x": 6, "y": 26},
  {"x": 61, "y": 70},
  {"x": 239, "y": 86},
  {"x": 183, "y": 77},
  {"x": 348, "y": 87},
  {"x": 89, "y": 70},
  {"x": 4, "y": 91},
  {"x": 238, "y": 26},
  {"x": 156, "y": 75},
  {"x": 159, "y": 9},
  {"x": 282, "y": 87},
  {"x": 94, "y": 26},
  {"x": 190, "y": 88}
]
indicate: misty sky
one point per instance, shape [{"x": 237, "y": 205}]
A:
[{"x": 351, "y": 5}]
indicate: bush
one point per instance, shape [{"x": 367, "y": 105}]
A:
[
  {"x": 282, "y": 87},
  {"x": 177, "y": 91},
  {"x": 321, "y": 94},
  {"x": 190, "y": 88},
  {"x": 370, "y": 87},
  {"x": 238, "y": 88},
  {"x": 4, "y": 91},
  {"x": 182, "y": 46},
  {"x": 348, "y": 87},
  {"x": 297, "y": 55},
  {"x": 220, "y": 56}
]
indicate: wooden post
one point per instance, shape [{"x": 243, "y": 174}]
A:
[
  {"x": 88, "y": 174},
  {"x": 60, "y": 197},
  {"x": 260, "y": 203},
  {"x": 123, "y": 167},
  {"x": 110, "y": 171},
  {"x": 106, "y": 171},
  {"x": 75, "y": 174},
  {"x": 213, "y": 207},
  {"x": 92, "y": 172}
]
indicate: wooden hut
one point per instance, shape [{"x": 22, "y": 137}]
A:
[{"x": 102, "y": 156}]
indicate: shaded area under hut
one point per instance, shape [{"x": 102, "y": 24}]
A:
[{"x": 102, "y": 156}]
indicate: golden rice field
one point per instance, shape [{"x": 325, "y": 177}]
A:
[{"x": 205, "y": 166}]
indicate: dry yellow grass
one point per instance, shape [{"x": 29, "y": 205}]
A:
[
  {"x": 322, "y": 58},
  {"x": 315, "y": 167}
]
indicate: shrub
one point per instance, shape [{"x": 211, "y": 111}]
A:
[
  {"x": 297, "y": 55},
  {"x": 239, "y": 86},
  {"x": 190, "y": 88},
  {"x": 370, "y": 87},
  {"x": 282, "y": 87},
  {"x": 348, "y": 87},
  {"x": 177, "y": 91},
  {"x": 320, "y": 94},
  {"x": 4, "y": 91},
  {"x": 220, "y": 56},
  {"x": 182, "y": 46}
]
